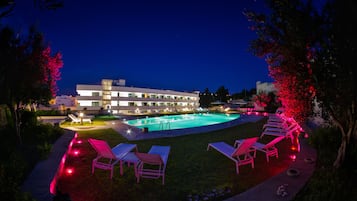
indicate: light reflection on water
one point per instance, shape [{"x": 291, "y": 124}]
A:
[{"x": 181, "y": 121}]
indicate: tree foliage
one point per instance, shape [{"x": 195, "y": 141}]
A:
[
  {"x": 28, "y": 71},
  {"x": 206, "y": 98},
  {"x": 336, "y": 74},
  {"x": 262, "y": 99},
  {"x": 222, "y": 94},
  {"x": 244, "y": 94},
  {"x": 310, "y": 55},
  {"x": 7, "y": 6},
  {"x": 267, "y": 101},
  {"x": 285, "y": 39}
]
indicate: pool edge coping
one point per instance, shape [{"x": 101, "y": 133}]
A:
[{"x": 133, "y": 133}]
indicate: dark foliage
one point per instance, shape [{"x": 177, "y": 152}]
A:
[
  {"x": 48, "y": 112},
  {"x": 17, "y": 161},
  {"x": 206, "y": 98},
  {"x": 327, "y": 183}
]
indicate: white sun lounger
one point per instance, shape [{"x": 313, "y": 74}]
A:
[
  {"x": 240, "y": 155},
  {"x": 107, "y": 157},
  {"x": 153, "y": 164},
  {"x": 78, "y": 120},
  {"x": 269, "y": 149},
  {"x": 286, "y": 132}
]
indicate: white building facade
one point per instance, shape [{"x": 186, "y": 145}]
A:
[
  {"x": 68, "y": 101},
  {"x": 114, "y": 97},
  {"x": 265, "y": 87}
]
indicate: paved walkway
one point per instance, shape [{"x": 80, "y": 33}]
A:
[{"x": 38, "y": 182}]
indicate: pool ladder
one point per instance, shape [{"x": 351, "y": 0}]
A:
[{"x": 165, "y": 126}]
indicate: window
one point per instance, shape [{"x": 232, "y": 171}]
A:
[
  {"x": 131, "y": 104},
  {"x": 95, "y": 104},
  {"x": 95, "y": 93}
]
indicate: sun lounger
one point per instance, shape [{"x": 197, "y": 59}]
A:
[
  {"x": 286, "y": 132},
  {"x": 107, "y": 157},
  {"x": 240, "y": 155},
  {"x": 275, "y": 125},
  {"x": 153, "y": 164},
  {"x": 269, "y": 149},
  {"x": 79, "y": 120}
]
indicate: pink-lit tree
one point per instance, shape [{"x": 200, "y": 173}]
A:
[
  {"x": 51, "y": 69},
  {"x": 29, "y": 72},
  {"x": 262, "y": 99},
  {"x": 284, "y": 40},
  {"x": 267, "y": 101},
  {"x": 312, "y": 57}
]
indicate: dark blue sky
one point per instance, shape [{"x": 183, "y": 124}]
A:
[{"x": 180, "y": 45}]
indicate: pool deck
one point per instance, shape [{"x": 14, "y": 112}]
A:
[{"x": 133, "y": 133}]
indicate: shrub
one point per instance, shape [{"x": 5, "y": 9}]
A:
[
  {"x": 28, "y": 119},
  {"x": 48, "y": 112},
  {"x": 12, "y": 173},
  {"x": 326, "y": 182},
  {"x": 44, "y": 150},
  {"x": 326, "y": 141},
  {"x": 38, "y": 134},
  {"x": 16, "y": 161}
]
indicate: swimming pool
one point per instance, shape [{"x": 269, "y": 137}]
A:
[{"x": 181, "y": 121}]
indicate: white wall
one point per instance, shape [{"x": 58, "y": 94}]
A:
[
  {"x": 85, "y": 103},
  {"x": 265, "y": 87},
  {"x": 87, "y": 92}
]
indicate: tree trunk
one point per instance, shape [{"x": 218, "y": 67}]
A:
[
  {"x": 346, "y": 141},
  {"x": 16, "y": 118},
  {"x": 346, "y": 132},
  {"x": 341, "y": 152}
]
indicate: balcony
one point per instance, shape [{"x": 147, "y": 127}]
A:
[
  {"x": 89, "y": 98},
  {"x": 152, "y": 99}
]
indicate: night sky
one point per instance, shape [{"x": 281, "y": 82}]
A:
[{"x": 182, "y": 45}]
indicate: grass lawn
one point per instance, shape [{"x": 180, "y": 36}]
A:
[
  {"x": 190, "y": 169},
  {"x": 95, "y": 122}
]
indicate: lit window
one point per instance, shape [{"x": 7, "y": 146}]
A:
[{"x": 95, "y": 104}]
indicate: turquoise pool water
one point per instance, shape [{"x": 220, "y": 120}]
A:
[{"x": 181, "y": 121}]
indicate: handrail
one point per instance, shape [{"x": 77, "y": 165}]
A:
[{"x": 165, "y": 126}]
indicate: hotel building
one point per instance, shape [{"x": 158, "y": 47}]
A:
[
  {"x": 265, "y": 87},
  {"x": 113, "y": 96}
]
